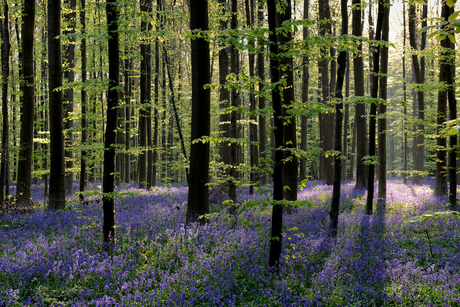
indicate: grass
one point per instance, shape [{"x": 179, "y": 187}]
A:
[{"x": 57, "y": 259}]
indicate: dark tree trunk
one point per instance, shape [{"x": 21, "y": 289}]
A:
[
  {"x": 419, "y": 147},
  {"x": 224, "y": 94},
  {"x": 441, "y": 141},
  {"x": 253, "y": 149},
  {"x": 148, "y": 99},
  {"x": 327, "y": 119},
  {"x": 305, "y": 80},
  {"x": 28, "y": 105},
  {"x": 108, "y": 179},
  {"x": 4, "y": 176},
  {"x": 405, "y": 152},
  {"x": 450, "y": 71},
  {"x": 276, "y": 241},
  {"x": 373, "y": 112},
  {"x": 382, "y": 121},
  {"x": 234, "y": 96},
  {"x": 69, "y": 76},
  {"x": 198, "y": 198},
  {"x": 84, "y": 120},
  {"x": 57, "y": 168},
  {"x": 155, "y": 113},
  {"x": 262, "y": 117},
  {"x": 360, "y": 125},
  {"x": 291, "y": 167},
  {"x": 345, "y": 122},
  {"x": 342, "y": 62}
]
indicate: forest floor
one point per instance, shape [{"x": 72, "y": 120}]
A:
[{"x": 57, "y": 259}]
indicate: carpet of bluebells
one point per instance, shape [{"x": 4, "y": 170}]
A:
[{"x": 57, "y": 259}]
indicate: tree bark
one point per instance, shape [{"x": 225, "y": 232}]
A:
[
  {"x": 360, "y": 125},
  {"x": 69, "y": 76},
  {"x": 108, "y": 183},
  {"x": 198, "y": 198},
  {"x": 84, "y": 120},
  {"x": 4, "y": 176},
  {"x": 262, "y": 116},
  {"x": 277, "y": 213},
  {"x": 28, "y": 105},
  {"x": 57, "y": 167}
]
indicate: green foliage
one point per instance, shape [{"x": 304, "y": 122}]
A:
[{"x": 430, "y": 215}]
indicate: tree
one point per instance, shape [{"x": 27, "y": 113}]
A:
[
  {"x": 108, "y": 180},
  {"x": 262, "y": 120},
  {"x": 373, "y": 111},
  {"x": 305, "y": 80},
  {"x": 326, "y": 120},
  {"x": 84, "y": 120},
  {"x": 342, "y": 62},
  {"x": 290, "y": 171},
  {"x": 69, "y": 76},
  {"x": 382, "y": 108},
  {"x": 360, "y": 110},
  {"x": 419, "y": 146},
  {"x": 198, "y": 198},
  {"x": 5, "y": 57}
]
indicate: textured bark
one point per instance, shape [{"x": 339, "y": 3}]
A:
[
  {"x": 305, "y": 80},
  {"x": 148, "y": 100},
  {"x": 198, "y": 198},
  {"x": 290, "y": 172},
  {"x": 419, "y": 147},
  {"x": 342, "y": 62},
  {"x": 69, "y": 76},
  {"x": 405, "y": 151},
  {"x": 108, "y": 179},
  {"x": 360, "y": 126},
  {"x": 277, "y": 213},
  {"x": 57, "y": 167},
  {"x": 5, "y": 57},
  {"x": 327, "y": 119},
  {"x": 28, "y": 105},
  {"x": 382, "y": 108},
  {"x": 234, "y": 97},
  {"x": 373, "y": 112},
  {"x": 84, "y": 120},
  {"x": 262, "y": 117},
  {"x": 441, "y": 141},
  {"x": 253, "y": 149}
]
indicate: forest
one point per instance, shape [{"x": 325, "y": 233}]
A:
[{"x": 229, "y": 153}]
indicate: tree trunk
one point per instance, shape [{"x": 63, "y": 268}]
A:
[
  {"x": 342, "y": 61},
  {"x": 198, "y": 197},
  {"x": 382, "y": 121},
  {"x": 360, "y": 125},
  {"x": 28, "y": 105},
  {"x": 57, "y": 168},
  {"x": 290, "y": 172},
  {"x": 405, "y": 152},
  {"x": 277, "y": 213},
  {"x": 108, "y": 180},
  {"x": 373, "y": 113},
  {"x": 327, "y": 118},
  {"x": 84, "y": 120},
  {"x": 4, "y": 176},
  {"x": 419, "y": 147},
  {"x": 69, "y": 76},
  {"x": 262, "y": 116}
]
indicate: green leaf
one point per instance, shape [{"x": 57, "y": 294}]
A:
[
  {"x": 454, "y": 15},
  {"x": 451, "y": 3}
]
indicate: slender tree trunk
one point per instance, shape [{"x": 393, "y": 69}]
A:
[
  {"x": 4, "y": 176},
  {"x": 342, "y": 61},
  {"x": 69, "y": 76},
  {"x": 373, "y": 112},
  {"x": 327, "y": 118},
  {"x": 360, "y": 125},
  {"x": 345, "y": 123},
  {"x": 405, "y": 152},
  {"x": 108, "y": 180},
  {"x": 305, "y": 80},
  {"x": 291, "y": 166},
  {"x": 148, "y": 98},
  {"x": 198, "y": 197},
  {"x": 419, "y": 147},
  {"x": 262, "y": 116},
  {"x": 28, "y": 105},
  {"x": 441, "y": 141},
  {"x": 84, "y": 120},
  {"x": 382, "y": 121},
  {"x": 277, "y": 213}
]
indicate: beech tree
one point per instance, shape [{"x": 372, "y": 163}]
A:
[
  {"x": 198, "y": 198},
  {"x": 108, "y": 180},
  {"x": 28, "y": 104}
]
